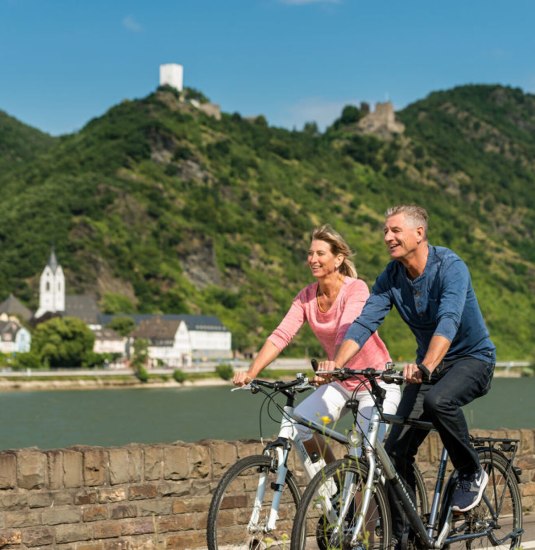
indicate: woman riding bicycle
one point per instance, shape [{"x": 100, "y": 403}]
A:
[{"x": 329, "y": 306}]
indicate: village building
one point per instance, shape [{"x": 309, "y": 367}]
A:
[
  {"x": 174, "y": 340},
  {"x": 14, "y": 338}
]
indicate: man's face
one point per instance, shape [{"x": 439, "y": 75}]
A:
[{"x": 402, "y": 236}]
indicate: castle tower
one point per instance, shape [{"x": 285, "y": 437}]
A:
[
  {"x": 51, "y": 287},
  {"x": 172, "y": 75}
]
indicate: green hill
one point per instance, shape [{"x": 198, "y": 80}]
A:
[{"x": 156, "y": 206}]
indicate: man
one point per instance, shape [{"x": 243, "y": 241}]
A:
[{"x": 432, "y": 291}]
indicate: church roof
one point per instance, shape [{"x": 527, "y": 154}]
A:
[
  {"x": 53, "y": 261},
  {"x": 13, "y": 306},
  {"x": 83, "y": 307}
]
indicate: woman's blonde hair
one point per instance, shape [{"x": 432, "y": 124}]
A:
[{"x": 338, "y": 246}]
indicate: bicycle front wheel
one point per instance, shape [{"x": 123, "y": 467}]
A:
[
  {"x": 332, "y": 505},
  {"x": 499, "y": 514},
  {"x": 241, "y": 507}
]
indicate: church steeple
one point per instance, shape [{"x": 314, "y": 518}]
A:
[{"x": 51, "y": 287}]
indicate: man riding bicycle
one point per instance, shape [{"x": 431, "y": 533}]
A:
[{"x": 431, "y": 289}]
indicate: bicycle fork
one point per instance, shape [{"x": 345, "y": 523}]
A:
[{"x": 278, "y": 451}]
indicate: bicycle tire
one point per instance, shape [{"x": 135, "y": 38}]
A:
[
  {"x": 501, "y": 494},
  {"x": 232, "y": 505},
  {"x": 314, "y": 531},
  {"x": 422, "y": 499}
]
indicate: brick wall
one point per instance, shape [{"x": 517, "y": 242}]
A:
[{"x": 142, "y": 496}]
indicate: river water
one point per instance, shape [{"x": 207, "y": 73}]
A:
[{"x": 62, "y": 418}]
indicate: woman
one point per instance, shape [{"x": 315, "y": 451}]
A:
[{"x": 329, "y": 306}]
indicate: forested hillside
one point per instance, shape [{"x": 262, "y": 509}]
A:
[{"x": 157, "y": 207}]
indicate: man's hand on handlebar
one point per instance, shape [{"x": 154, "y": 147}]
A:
[
  {"x": 412, "y": 374},
  {"x": 241, "y": 378},
  {"x": 324, "y": 378}
]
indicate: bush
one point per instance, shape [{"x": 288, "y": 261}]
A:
[
  {"x": 179, "y": 376},
  {"x": 226, "y": 372},
  {"x": 142, "y": 374},
  {"x": 28, "y": 360}
]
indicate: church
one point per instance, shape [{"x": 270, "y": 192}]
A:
[{"x": 175, "y": 340}]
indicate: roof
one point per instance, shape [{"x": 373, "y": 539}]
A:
[
  {"x": 53, "y": 261},
  {"x": 157, "y": 328},
  {"x": 8, "y": 330},
  {"x": 13, "y": 306},
  {"x": 83, "y": 307},
  {"x": 193, "y": 322}
]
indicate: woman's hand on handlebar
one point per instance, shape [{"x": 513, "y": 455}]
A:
[{"x": 241, "y": 378}]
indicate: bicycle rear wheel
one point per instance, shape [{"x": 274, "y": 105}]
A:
[
  {"x": 331, "y": 505},
  {"x": 500, "y": 511},
  {"x": 238, "y": 514}
]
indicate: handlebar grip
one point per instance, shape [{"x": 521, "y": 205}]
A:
[{"x": 315, "y": 364}]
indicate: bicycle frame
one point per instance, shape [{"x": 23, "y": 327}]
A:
[{"x": 281, "y": 448}]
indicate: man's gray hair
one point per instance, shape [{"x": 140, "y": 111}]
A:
[{"x": 416, "y": 214}]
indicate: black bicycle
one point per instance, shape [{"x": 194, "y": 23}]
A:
[{"x": 346, "y": 507}]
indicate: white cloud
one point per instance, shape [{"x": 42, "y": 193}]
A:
[
  {"x": 131, "y": 24},
  {"x": 304, "y": 2},
  {"x": 322, "y": 111}
]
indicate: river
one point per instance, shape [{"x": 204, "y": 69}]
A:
[{"x": 55, "y": 419}]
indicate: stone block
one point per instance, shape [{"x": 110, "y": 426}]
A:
[
  {"x": 86, "y": 496},
  {"x": 199, "y": 461},
  {"x": 185, "y": 541},
  {"x": 223, "y": 456},
  {"x": 121, "y": 511},
  {"x": 138, "y": 526},
  {"x": 249, "y": 447},
  {"x": 193, "y": 504},
  {"x": 176, "y": 464},
  {"x": 153, "y": 463},
  {"x": 72, "y": 468},
  {"x": 40, "y": 499},
  {"x": 95, "y": 467},
  {"x": 23, "y": 518},
  {"x": 126, "y": 465},
  {"x": 174, "y": 488},
  {"x": 139, "y": 492},
  {"x": 61, "y": 515},
  {"x": 13, "y": 501},
  {"x": 8, "y": 470},
  {"x": 31, "y": 469},
  {"x": 157, "y": 507},
  {"x": 106, "y": 529},
  {"x": 10, "y": 536},
  {"x": 73, "y": 533},
  {"x": 90, "y": 546},
  {"x": 97, "y": 512},
  {"x": 112, "y": 494},
  {"x": 55, "y": 469},
  {"x": 38, "y": 536}
]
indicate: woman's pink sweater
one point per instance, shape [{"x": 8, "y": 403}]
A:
[{"x": 330, "y": 327}]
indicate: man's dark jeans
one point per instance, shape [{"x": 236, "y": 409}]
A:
[{"x": 453, "y": 384}]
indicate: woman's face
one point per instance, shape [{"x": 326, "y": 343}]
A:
[{"x": 321, "y": 260}]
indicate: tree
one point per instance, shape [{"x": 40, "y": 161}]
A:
[
  {"x": 63, "y": 342},
  {"x": 122, "y": 325}
]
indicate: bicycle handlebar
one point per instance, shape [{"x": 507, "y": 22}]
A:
[
  {"x": 300, "y": 383},
  {"x": 390, "y": 376}
]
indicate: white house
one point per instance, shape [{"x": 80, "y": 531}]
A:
[
  {"x": 14, "y": 338},
  {"x": 179, "y": 340}
]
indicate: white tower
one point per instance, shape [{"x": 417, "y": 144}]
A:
[
  {"x": 51, "y": 287},
  {"x": 172, "y": 75}
]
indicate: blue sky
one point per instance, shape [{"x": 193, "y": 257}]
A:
[{"x": 63, "y": 62}]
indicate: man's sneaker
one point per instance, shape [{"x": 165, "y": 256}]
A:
[{"x": 469, "y": 491}]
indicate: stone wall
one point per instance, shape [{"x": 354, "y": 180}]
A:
[{"x": 142, "y": 496}]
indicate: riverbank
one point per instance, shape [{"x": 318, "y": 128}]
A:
[
  {"x": 102, "y": 383},
  {"x": 38, "y": 382}
]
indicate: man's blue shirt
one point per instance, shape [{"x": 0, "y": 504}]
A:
[{"x": 441, "y": 301}]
